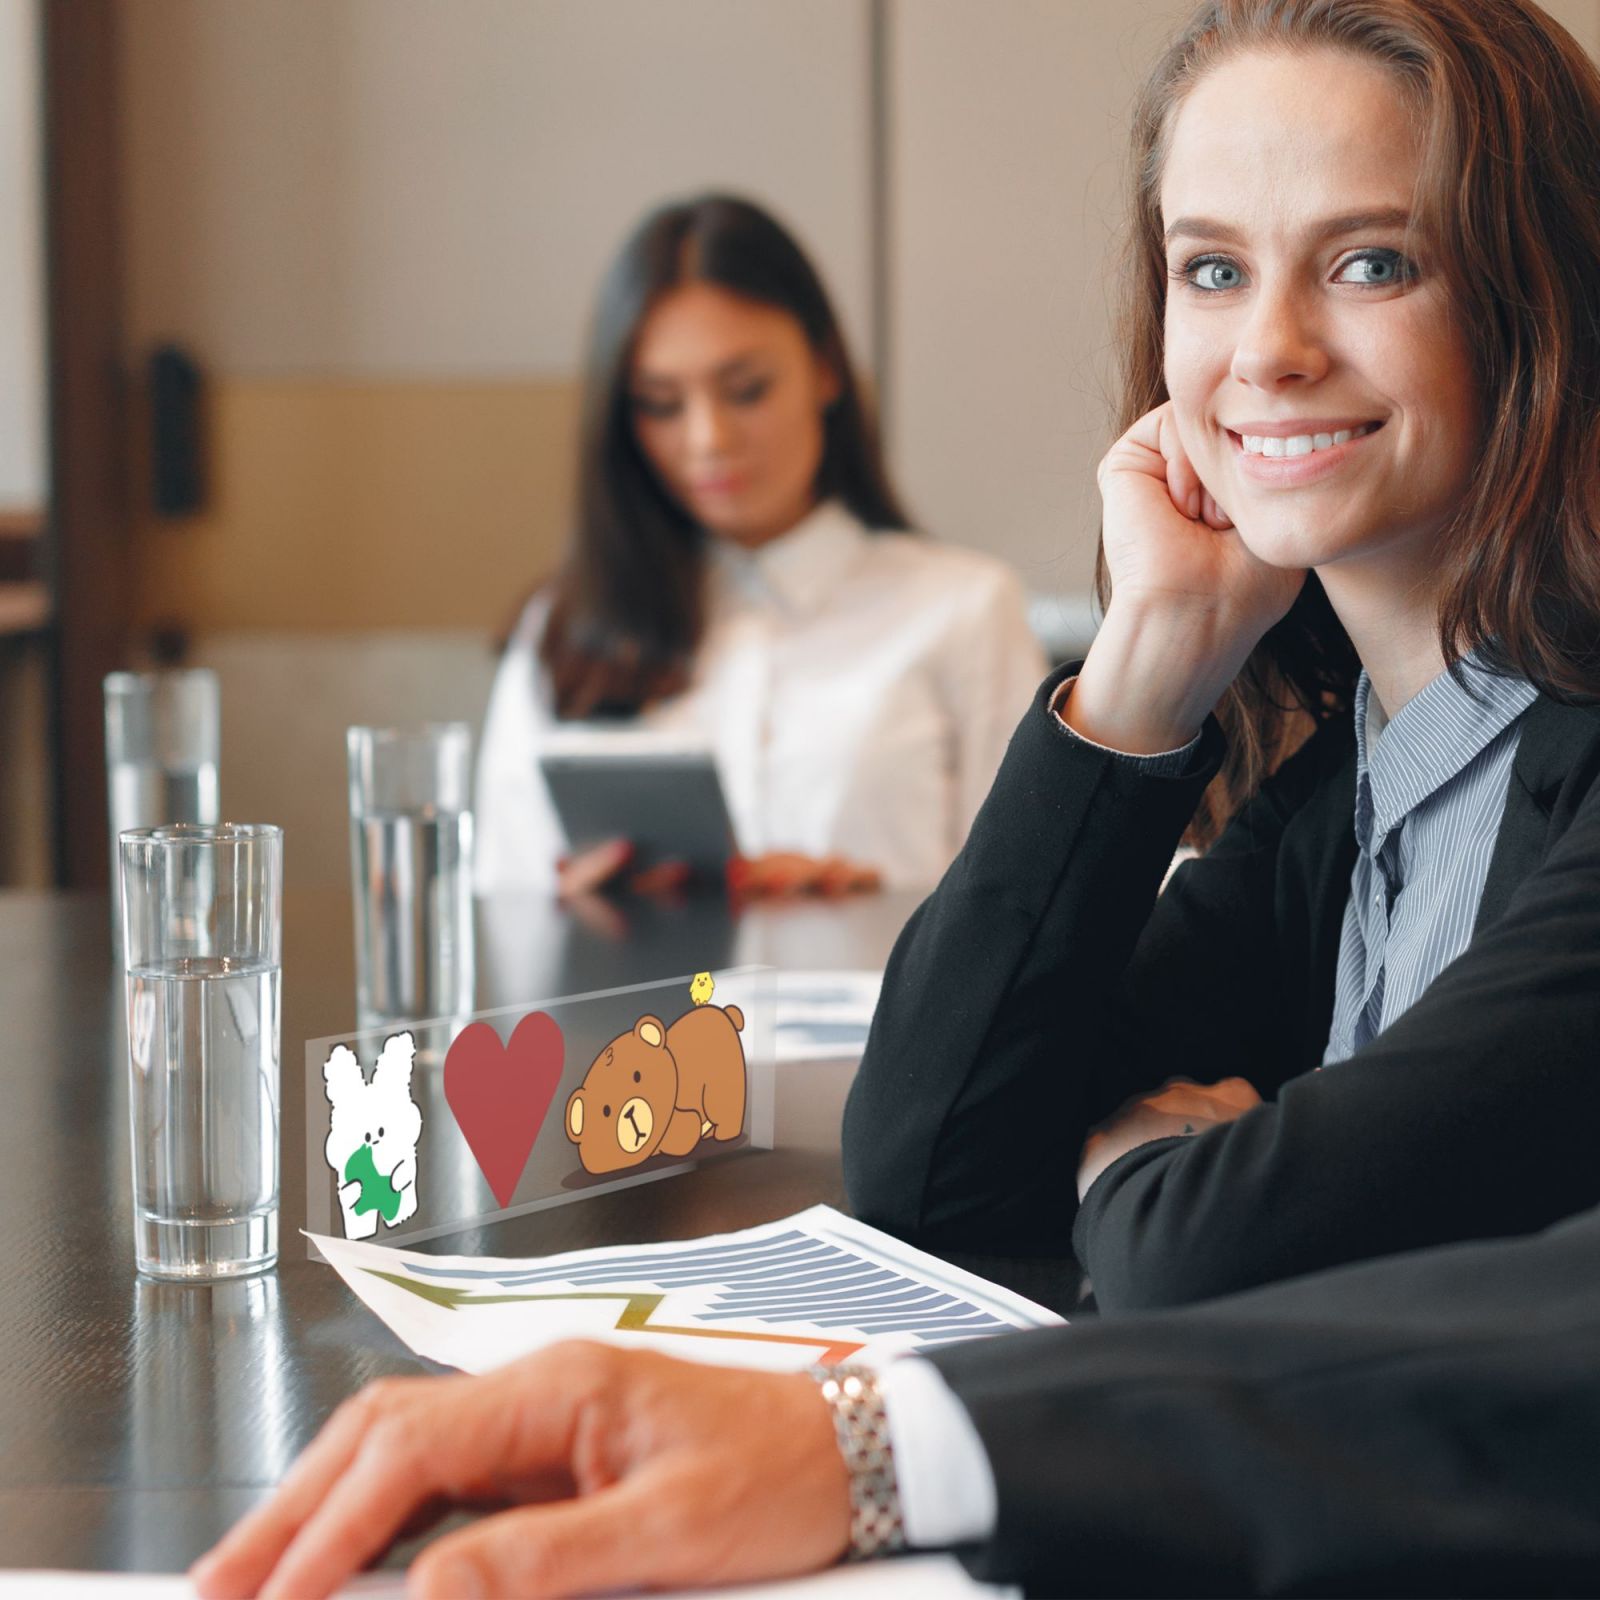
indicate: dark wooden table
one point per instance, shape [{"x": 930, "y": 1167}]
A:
[{"x": 139, "y": 1419}]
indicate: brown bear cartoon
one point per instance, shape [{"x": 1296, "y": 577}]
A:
[{"x": 661, "y": 1090}]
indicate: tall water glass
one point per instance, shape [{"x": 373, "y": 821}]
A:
[
  {"x": 411, "y": 871},
  {"x": 163, "y": 738},
  {"x": 203, "y": 928}
]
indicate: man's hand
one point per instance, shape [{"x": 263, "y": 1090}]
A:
[
  {"x": 624, "y": 1470},
  {"x": 1177, "y": 1108}
]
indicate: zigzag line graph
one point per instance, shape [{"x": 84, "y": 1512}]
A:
[
  {"x": 788, "y": 1277},
  {"x": 638, "y": 1308}
]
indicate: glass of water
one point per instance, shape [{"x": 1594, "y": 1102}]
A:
[
  {"x": 203, "y": 933},
  {"x": 163, "y": 736},
  {"x": 411, "y": 871}
]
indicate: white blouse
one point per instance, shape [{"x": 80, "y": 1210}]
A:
[{"x": 857, "y": 691}]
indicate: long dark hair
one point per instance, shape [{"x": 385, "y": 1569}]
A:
[
  {"x": 1510, "y": 187},
  {"x": 628, "y": 605}
]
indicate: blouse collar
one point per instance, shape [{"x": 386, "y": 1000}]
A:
[{"x": 799, "y": 568}]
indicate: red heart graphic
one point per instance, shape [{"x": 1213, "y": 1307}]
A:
[{"x": 501, "y": 1093}]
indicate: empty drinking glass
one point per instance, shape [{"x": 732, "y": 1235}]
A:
[
  {"x": 411, "y": 871},
  {"x": 203, "y": 934}
]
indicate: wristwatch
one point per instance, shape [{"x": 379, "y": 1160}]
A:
[{"x": 861, "y": 1425}]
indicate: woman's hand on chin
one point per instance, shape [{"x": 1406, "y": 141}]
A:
[
  {"x": 1170, "y": 547},
  {"x": 781, "y": 873},
  {"x": 1188, "y": 602},
  {"x": 623, "y": 1470}
]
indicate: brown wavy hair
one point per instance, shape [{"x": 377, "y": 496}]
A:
[
  {"x": 628, "y": 605},
  {"x": 1509, "y": 108}
]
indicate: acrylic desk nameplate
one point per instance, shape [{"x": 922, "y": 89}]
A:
[{"x": 418, "y": 1129}]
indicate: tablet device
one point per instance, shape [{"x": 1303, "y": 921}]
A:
[{"x": 664, "y": 796}]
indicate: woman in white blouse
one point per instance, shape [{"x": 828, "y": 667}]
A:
[{"x": 742, "y": 574}]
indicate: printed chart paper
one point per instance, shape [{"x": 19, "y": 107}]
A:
[
  {"x": 824, "y": 1016},
  {"x": 817, "y": 1286}
]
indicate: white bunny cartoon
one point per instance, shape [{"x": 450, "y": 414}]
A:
[{"x": 373, "y": 1128}]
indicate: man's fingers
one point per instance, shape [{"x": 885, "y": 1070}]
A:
[
  {"x": 613, "y": 1539},
  {"x": 373, "y": 1499},
  {"x": 237, "y": 1565},
  {"x": 454, "y": 1438}
]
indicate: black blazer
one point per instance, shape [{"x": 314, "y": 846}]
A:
[
  {"x": 1044, "y": 982},
  {"x": 1427, "y": 1424}
]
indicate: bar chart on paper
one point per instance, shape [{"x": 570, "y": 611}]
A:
[{"x": 817, "y": 1286}]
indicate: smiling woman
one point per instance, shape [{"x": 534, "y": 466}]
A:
[{"x": 1355, "y": 507}]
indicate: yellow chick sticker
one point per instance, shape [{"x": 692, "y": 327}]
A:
[{"x": 701, "y": 988}]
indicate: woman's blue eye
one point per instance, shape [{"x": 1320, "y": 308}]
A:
[
  {"x": 1214, "y": 273},
  {"x": 1376, "y": 267}
]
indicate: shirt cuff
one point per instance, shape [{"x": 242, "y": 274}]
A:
[
  {"x": 947, "y": 1490},
  {"x": 1162, "y": 764}
]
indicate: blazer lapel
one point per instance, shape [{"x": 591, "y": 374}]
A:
[{"x": 1557, "y": 741}]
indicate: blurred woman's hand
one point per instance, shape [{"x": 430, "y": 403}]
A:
[
  {"x": 1175, "y": 1109},
  {"x": 1188, "y": 599},
  {"x": 602, "y": 865},
  {"x": 624, "y": 1470},
  {"x": 786, "y": 872}
]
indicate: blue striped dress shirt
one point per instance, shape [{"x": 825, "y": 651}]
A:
[{"x": 1430, "y": 790}]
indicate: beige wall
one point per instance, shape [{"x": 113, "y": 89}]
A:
[
  {"x": 425, "y": 188},
  {"x": 1581, "y": 18},
  {"x": 378, "y": 225},
  {"x": 1010, "y": 122},
  {"x": 340, "y": 505}
]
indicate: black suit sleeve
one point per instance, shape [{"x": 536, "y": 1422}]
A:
[
  {"x": 1426, "y": 1424},
  {"x": 1474, "y": 1115},
  {"x": 1043, "y": 982}
]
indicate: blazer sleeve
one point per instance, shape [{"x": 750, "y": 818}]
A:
[
  {"x": 1421, "y": 1425},
  {"x": 1471, "y": 1116},
  {"x": 1043, "y": 982}
]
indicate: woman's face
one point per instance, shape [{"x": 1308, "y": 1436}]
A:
[
  {"x": 1298, "y": 312},
  {"x": 728, "y": 399}
]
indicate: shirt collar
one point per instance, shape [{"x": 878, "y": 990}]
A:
[
  {"x": 1428, "y": 741},
  {"x": 799, "y": 568}
]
